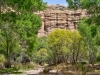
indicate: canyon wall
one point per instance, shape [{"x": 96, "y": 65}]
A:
[{"x": 59, "y": 17}]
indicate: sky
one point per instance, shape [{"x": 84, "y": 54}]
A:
[{"x": 61, "y": 2}]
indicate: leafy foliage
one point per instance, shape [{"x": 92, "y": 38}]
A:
[
  {"x": 42, "y": 56},
  {"x": 19, "y": 26},
  {"x": 74, "y": 4},
  {"x": 90, "y": 32},
  {"x": 65, "y": 43},
  {"x": 2, "y": 59},
  {"x": 25, "y": 5},
  {"x": 88, "y": 27}
]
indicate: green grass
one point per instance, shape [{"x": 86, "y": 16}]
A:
[{"x": 10, "y": 71}]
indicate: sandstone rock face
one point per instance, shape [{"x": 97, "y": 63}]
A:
[{"x": 59, "y": 17}]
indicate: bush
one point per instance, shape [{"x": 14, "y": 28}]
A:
[
  {"x": 46, "y": 70},
  {"x": 24, "y": 66},
  {"x": 7, "y": 64},
  {"x": 2, "y": 60},
  {"x": 83, "y": 62},
  {"x": 98, "y": 58},
  {"x": 41, "y": 56}
]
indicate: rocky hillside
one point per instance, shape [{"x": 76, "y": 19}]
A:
[
  {"x": 57, "y": 16},
  {"x": 57, "y": 7}
]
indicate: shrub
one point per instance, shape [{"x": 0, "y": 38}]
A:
[
  {"x": 2, "y": 60},
  {"x": 98, "y": 58},
  {"x": 24, "y": 66},
  {"x": 41, "y": 56}
]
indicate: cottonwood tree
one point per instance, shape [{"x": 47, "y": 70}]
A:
[
  {"x": 57, "y": 41},
  {"x": 90, "y": 32},
  {"x": 88, "y": 27},
  {"x": 18, "y": 25},
  {"x": 66, "y": 45}
]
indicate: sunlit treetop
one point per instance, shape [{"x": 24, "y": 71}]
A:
[{"x": 25, "y": 5}]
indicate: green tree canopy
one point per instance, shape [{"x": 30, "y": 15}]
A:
[
  {"x": 65, "y": 42},
  {"x": 19, "y": 26},
  {"x": 24, "y": 5}
]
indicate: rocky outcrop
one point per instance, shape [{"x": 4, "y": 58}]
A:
[
  {"x": 57, "y": 7},
  {"x": 59, "y": 17}
]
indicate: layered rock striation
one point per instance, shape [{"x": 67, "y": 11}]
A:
[{"x": 59, "y": 17}]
